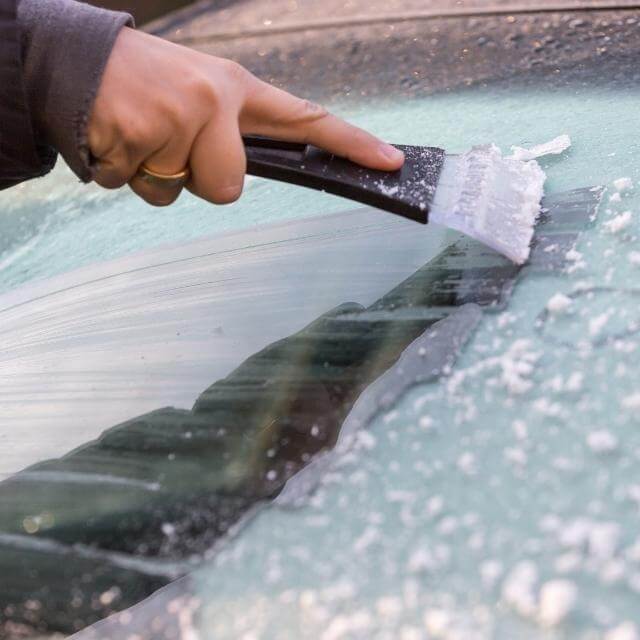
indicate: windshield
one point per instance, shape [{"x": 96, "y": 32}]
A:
[{"x": 342, "y": 425}]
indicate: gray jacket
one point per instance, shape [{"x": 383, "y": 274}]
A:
[{"x": 52, "y": 57}]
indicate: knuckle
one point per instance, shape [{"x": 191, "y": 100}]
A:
[
  {"x": 308, "y": 112},
  {"x": 177, "y": 114},
  {"x": 218, "y": 84},
  {"x": 202, "y": 88},
  {"x": 235, "y": 71},
  {"x": 302, "y": 115},
  {"x": 226, "y": 195},
  {"x": 135, "y": 138},
  {"x": 110, "y": 183},
  {"x": 110, "y": 180},
  {"x": 154, "y": 197},
  {"x": 160, "y": 199}
]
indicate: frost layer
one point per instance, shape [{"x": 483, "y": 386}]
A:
[
  {"x": 493, "y": 199},
  {"x": 553, "y": 147}
]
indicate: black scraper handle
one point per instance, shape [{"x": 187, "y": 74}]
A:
[{"x": 407, "y": 192}]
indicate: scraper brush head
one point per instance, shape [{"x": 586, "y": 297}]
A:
[{"x": 493, "y": 199}]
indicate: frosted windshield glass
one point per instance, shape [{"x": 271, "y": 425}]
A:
[{"x": 512, "y": 463}]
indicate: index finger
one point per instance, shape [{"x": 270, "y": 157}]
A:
[{"x": 269, "y": 111}]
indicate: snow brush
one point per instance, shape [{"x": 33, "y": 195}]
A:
[{"x": 485, "y": 195}]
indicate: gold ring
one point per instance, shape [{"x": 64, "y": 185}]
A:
[{"x": 166, "y": 181}]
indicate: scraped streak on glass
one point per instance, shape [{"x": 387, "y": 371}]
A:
[{"x": 493, "y": 198}]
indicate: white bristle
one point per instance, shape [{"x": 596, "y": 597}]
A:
[{"x": 493, "y": 199}]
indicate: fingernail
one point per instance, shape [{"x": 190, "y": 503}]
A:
[{"x": 391, "y": 153}]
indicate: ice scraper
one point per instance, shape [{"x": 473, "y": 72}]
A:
[{"x": 492, "y": 198}]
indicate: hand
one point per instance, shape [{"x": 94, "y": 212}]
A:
[{"x": 170, "y": 107}]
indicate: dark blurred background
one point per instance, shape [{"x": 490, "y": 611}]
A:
[{"x": 144, "y": 10}]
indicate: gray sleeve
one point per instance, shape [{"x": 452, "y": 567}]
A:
[
  {"x": 22, "y": 157},
  {"x": 65, "y": 48}
]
